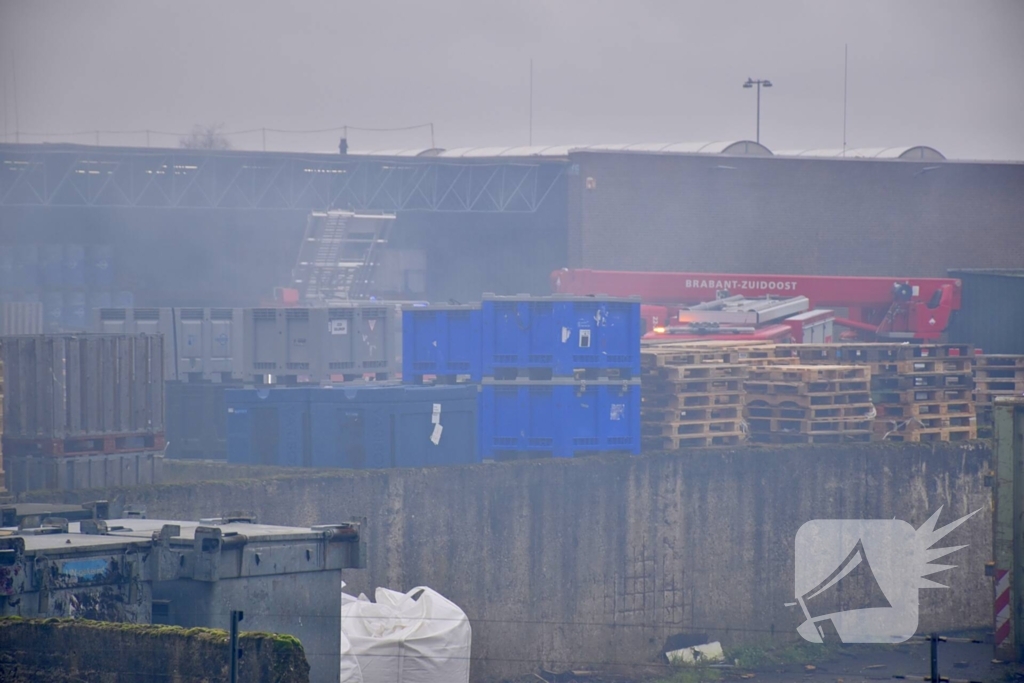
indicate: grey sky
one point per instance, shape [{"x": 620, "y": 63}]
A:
[{"x": 946, "y": 74}]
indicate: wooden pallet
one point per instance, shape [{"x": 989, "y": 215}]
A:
[
  {"x": 813, "y": 400},
  {"x": 989, "y": 398},
  {"x": 923, "y": 380},
  {"x": 671, "y": 443},
  {"x": 998, "y": 361},
  {"x": 705, "y": 371},
  {"x": 686, "y": 428},
  {"x": 872, "y": 352},
  {"x": 943, "y": 350},
  {"x": 925, "y": 422},
  {"x": 773, "y": 388},
  {"x": 1008, "y": 386},
  {"x": 918, "y": 366},
  {"x": 697, "y": 386},
  {"x": 810, "y": 373},
  {"x": 801, "y": 426},
  {"x": 999, "y": 372},
  {"x": 922, "y": 395},
  {"x": 938, "y": 434},
  {"x": 698, "y": 414},
  {"x": 783, "y": 438},
  {"x": 687, "y": 401},
  {"x": 846, "y": 353},
  {"x": 788, "y": 410},
  {"x": 657, "y": 357},
  {"x": 908, "y": 410},
  {"x": 774, "y": 362}
]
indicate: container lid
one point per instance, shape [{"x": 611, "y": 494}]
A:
[
  {"x": 562, "y": 381},
  {"x": 596, "y": 298}
]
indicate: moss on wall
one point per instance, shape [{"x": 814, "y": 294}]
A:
[{"x": 81, "y": 651}]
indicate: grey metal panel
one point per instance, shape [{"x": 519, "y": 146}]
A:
[
  {"x": 21, "y": 318},
  {"x": 991, "y": 316}
]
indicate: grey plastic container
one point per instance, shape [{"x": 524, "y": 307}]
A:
[
  {"x": 316, "y": 345},
  {"x": 200, "y": 344}
]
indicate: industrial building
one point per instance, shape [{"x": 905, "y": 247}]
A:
[
  {"x": 135, "y": 570},
  {"x": 191, "y": 228}
]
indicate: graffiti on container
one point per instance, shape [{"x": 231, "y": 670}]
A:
[
  {"x": 7, "y": 579},
  {"x": 85, "y": 570},
  {"x": 106, "y": 603}
]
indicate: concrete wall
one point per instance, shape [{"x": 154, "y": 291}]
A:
[
  {"x": 594, "y": 562},
  {"x": 805, "y": 216},
  {"x": 80, "y": 651}
]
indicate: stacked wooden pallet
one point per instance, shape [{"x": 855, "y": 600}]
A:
[
  {"x": 995, "y": 376},
  {"x": 809, "y": 403},
  {"x": 923, "y": 392},
  {"x": 692, "y": 396}
]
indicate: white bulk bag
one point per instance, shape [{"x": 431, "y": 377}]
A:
[
  {"x": 350, "y": 672},
  {"x": 414, "y": 637}
]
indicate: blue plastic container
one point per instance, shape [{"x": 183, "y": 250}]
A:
[
  {"x": 564, "y": 336},
  {"x": 442, "y": 341},
  {"x": 560, "y": 418},
  {"x": 268, "y": 426},
  {"x": 73, "y": 317},
  {"x": 74, "y": 266},
  {"x": 99, "y": 266},
  {"x": 375, "y": 426},
  {"x": 356, "y": 426}
]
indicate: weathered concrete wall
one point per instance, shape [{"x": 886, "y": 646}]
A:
[
  {"x": 595, "y": 561},
  {"x": 80, "y": 651}
]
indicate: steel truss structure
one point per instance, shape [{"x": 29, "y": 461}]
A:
[{"x": 73, "y": 175}]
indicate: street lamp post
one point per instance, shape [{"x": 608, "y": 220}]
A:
[{"x": 750, "y": 84}]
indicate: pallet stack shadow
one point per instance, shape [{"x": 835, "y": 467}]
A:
[
  {"x": 82, "y": 411},
  {"x": 995, "y": 376},
  {"x": 809, "y": 403},
  {"x": 921, "y": 392},
  {"x": 558, "y": 376},
  {"x": 692, "y": 396}
]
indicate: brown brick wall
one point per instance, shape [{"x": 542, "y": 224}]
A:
[{"x": 805, "y": 216}]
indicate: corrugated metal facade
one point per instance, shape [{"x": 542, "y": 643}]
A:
[
  {"x": 744, "y": 214},
  {"x": 992, "y": 313}
]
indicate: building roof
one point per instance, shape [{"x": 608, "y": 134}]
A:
[
  {"x": 918, "y": 152},
  {"x": 744, "y": 147},
  {"x": 138, "y": 531}
]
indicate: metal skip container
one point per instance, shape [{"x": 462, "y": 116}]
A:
[{"x": 82, "y": 385}]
